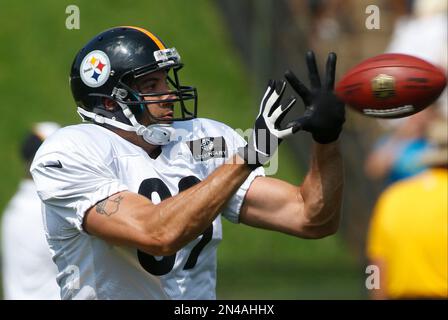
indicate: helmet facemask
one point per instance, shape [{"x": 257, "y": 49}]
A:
[{"x": 183, "y": 98}]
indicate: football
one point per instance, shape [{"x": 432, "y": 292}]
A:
[{"x": 391, "y": 86}]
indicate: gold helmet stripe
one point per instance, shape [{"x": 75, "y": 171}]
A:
[{"x": 149, "y": 34}]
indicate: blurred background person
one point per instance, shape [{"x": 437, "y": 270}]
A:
[
  {"x": 408, "y": 232},
  {"x": 421, "y": 33},
  {"x": 397, "y": 153},
  {"x": 28, "y": 271}
]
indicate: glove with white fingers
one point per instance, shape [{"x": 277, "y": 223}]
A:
[{"x": 266, "y": 134}]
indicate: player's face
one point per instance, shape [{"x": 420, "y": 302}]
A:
[{"x": 153, "y": 83}]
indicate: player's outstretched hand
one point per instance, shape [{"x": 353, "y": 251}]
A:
[
  {"x": 267, "y": 134},
  {"x": 324, "y": 112}
]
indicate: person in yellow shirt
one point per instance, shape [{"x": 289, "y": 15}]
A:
[{"x": 408, "y": 235}]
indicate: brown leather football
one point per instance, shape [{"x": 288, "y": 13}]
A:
[{"x": 391, "y": 86}]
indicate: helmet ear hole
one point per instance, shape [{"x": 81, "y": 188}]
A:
[{"x": 110, "y": 105}]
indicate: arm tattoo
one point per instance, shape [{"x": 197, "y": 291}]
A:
[{"x": 108, "y": 206}]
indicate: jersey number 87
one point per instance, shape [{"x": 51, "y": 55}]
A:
[{"x": 166, "y": 264}]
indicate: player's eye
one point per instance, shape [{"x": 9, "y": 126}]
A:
[{"x": 148, "y": 86}]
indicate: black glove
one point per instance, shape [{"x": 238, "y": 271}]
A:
[
  {"x": 324, "y": 112},
  {"x": 266, "y": 134}
]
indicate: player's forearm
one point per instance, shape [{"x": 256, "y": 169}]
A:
[
  {"x": 323, "y": 186},
  {"x": 180, "y": 219}
]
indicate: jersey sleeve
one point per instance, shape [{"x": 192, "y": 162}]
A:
[
  {"x": 232, "y": 210},
  {"x": 73, "y": 181}
]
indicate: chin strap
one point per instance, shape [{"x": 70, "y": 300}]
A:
[{"x": 156, "y": 134}]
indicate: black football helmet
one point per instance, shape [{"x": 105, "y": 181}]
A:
[{"x": 106, "y": 68}]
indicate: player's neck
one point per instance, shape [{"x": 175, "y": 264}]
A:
[{"x": 152, "y": 150}]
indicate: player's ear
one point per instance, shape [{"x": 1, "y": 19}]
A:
[{"x": 109, "y": 105}]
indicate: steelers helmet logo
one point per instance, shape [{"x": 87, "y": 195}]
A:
[{"x": 95, "y": 69}]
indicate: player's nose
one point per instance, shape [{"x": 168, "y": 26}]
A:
[{"x": 168, "y": 99}]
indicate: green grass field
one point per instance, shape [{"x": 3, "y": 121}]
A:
[{"x": 35, "y": 57}]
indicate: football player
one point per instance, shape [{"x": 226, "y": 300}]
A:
[
  {"x": 133, "y": 199},
  {"x": 28, "y": 273}
]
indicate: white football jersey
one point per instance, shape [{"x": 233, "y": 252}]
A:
[{"x": 83, "y": 164}]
